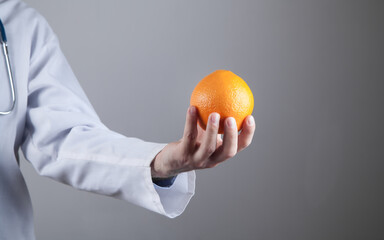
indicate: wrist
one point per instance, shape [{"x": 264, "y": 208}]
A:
[
  {"x": 157, "y": 168},
  {"x": 164, "y": 165}
]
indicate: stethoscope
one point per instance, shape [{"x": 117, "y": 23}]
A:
[{"x": 9, "y": 70}]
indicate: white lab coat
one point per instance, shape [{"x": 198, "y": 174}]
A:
[{"x": 61, "y": 135}]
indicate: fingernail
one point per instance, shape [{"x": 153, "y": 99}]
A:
[
  {"x": 231, "y": 122},
  {"x": 215, "y": 118},
  {"x": 251, "y": 121},
  {"x": 192, "y": 110}
]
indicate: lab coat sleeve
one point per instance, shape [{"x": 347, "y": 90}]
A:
[{"x": 66, "y": 141}]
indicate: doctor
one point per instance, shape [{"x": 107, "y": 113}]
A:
[{"x": 58, "y": 131}]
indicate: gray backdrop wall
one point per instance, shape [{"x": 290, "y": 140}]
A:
[{"x": 315, "y": 167}]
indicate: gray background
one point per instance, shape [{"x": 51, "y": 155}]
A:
[{"x": 315, "y": 167}]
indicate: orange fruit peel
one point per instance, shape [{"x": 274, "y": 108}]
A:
[{"x": 225, "y": 93}]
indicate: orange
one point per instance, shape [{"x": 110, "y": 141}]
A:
[{"x": 225, "y": 93}]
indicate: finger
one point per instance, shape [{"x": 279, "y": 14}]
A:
[
  {"x": 219, "y": 140},
  {"x": 246, "y": 135},
  {"x": 208, "y": 144},
  {"x": 190, "y": 130},
  {"x": 200, "y": 133},
  {"x": 229, "y": 147}
]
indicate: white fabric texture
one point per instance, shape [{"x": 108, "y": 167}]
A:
[{"x": 63, "y": 138}]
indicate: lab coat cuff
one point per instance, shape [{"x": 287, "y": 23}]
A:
[
  {"x": 174, "y": 199},
  {"x": 168, "y": 201},
  {"x": 171, "y": 201}
]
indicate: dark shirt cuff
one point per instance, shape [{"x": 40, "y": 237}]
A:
[{"x": 164, "y": 182}]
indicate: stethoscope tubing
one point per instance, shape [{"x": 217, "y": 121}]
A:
[{"x": 9, "y": 69}]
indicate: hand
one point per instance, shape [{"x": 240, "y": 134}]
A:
[{"x": 199, "y": 149}]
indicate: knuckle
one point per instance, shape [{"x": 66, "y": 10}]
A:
[
  {"x": 230, "y": 154},
  {"x": 214, "y": 128},
  {"x": 185, "y": 160},
  {"x": 200, "y": 165},
  {"x": 244, "y": 144},
  {"x": 247, "y": 143},
  {"x": 190, "y": 136},
  {"x": 210, "y": 149}
]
